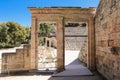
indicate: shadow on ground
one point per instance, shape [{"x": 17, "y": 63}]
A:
[
  {"x": 50, "y": 76},
  {"x": 76, "y": 66}
]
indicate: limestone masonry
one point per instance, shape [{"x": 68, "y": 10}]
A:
[
  {"x": 73, "y": 39},
  {"x": 99, "y": 48},
  {"x": 107, "y": 31}
]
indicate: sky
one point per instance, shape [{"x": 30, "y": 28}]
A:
[{"x": 17, "y": 10}]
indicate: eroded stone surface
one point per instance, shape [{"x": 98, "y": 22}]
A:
[
  {"x": 17, "y": 61},
  {"x": 107, "y": 25},
  {"x": 60, "y": 16}
]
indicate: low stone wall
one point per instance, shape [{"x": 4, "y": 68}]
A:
[
  {"x": 107, "y": 30},
  {"x": 18, "y": 61}
]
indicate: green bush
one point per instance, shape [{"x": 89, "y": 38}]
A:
[{"x": 12, "y": 34}]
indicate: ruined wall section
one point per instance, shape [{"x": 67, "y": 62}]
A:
[
  {"x": 18, "y": 61},
  {"x": 83, "y": 54},
  {"x": 107, "y": 30},
  {"x": 73, "y": 41},
  {"x": 77, "y": 43}
]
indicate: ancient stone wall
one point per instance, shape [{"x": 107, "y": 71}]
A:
[
  {"x": 107, "y": 30},
  {"x": 77, "y": 43},
  {"x": 18, "y": 61},
  {"x": 62, "y": 15},
  {"x": 83, "y": 54},
  {"x": 78, "y": 30},
  {"x": 73, "y": 39}
]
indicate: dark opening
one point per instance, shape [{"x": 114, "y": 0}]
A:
[{"x": 47, "y": 43}]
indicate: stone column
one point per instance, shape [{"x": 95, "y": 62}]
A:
[
  {"x": 60, "y": 44},
  {"x": 34, "y": 43},
  {"x": 91, "y": 44}
]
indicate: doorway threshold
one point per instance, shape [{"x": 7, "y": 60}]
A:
[{"x": 44, "y": 72}]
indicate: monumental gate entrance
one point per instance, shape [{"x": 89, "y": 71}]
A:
[{"x": 61, "y": 15}]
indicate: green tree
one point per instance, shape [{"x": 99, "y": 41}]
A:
[
  {"x": 16, "y": 32},
  {"x": 3, "y": 35},
  {"x": 12, "y": 34},
  {"x": 45, "y": 29},
  {"x": 83, "y": 25},
  {"x": 3, "y": 32},
  {"x": 28, "y": 34}
]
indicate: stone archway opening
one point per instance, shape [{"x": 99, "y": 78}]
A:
[
  {"x": 76, "y": 42},
  {"x": 61, "y": 15},
  {"x": 47, "y": 46}
]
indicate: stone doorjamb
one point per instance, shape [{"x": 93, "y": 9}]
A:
[
  {"x": 91, "y": 44},
  {"x": 60, "y": 43},
  {"x": 39, "y": 15},
  {"x": 34, "y": 43}
]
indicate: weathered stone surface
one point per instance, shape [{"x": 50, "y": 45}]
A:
[
  {"x": 72, "y": 42},
  {"x": 19, "y": 61},
  {"x": 107, "y": 33},
  {"x": 84, "y": 51},
  {"x": 107, "y": 30},
  {"x": 61, "y": 15}
]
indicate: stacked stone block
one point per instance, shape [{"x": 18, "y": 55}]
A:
[
  {"x": 83, "y": 54},
  {"x": 73, "y": 42},
  {"x": 107, "y": 30},
  {"x": 18, "y": 61}
]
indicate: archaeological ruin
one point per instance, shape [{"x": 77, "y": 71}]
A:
[{"x": 100, "y": 49}]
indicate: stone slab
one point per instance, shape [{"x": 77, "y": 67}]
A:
[{"x": 74, "y": 69}]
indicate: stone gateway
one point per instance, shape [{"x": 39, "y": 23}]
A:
[{"x": 103, "y": 43}]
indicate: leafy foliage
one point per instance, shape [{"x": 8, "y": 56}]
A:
[
  {"x": 75, "y": 24},
  {"x": 12, "y": 34},
  {"x": 44, "y": 31},
  {"x": 71, "y": 24},
  {"x": 28, "y": 34}
]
